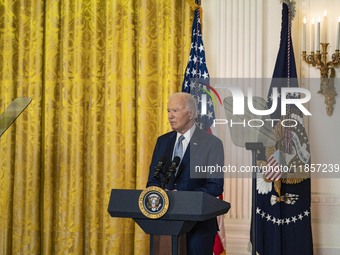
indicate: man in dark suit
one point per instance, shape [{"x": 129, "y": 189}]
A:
[{"x": 198, "y": 149}]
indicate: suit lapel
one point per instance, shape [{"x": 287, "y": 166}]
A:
[
  {"x": 171, "y": 144},
  {"x": 195, "y": 140}
]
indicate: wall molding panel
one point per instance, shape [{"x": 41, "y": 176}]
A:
[{"x": 234, "y": 49}]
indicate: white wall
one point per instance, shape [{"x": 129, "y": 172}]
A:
[
  {"x": 241, "y": 38},
  {"x": 323, "y": 137}
]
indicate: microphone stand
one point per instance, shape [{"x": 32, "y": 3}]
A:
[{"x": 164, "y": 181}]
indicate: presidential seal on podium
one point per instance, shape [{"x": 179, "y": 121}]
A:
[{"x": 153, "y": 202}]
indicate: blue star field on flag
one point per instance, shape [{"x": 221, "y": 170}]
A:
[{"x": 196, "y": 76}]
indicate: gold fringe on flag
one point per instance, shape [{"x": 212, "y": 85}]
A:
[{"x": 194, "y": 6}]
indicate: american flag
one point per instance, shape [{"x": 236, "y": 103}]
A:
[
  {"x": 196, "y": 77},
  {"x": 196, "y": 82}
]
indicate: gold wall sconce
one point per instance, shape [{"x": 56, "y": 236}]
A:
[{"x": 318, "y": 59}]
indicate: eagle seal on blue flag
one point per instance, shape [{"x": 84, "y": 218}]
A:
[{"x": 283, "y": 209}]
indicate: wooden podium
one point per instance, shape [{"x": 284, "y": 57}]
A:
[{"x": 185, "y": 209}]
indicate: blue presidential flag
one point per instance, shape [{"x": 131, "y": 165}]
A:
[
  {"x": 283, "y": 214},
  {"x": 196, "y": 77}
]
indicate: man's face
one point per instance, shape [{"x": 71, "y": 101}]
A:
[{"x": 180, "y": 117}]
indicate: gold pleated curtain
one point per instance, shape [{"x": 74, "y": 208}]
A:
[{"x": 99, "y": 73}]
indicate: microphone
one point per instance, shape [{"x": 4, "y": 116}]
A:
[
  {"x": 173, "y": 166},
  {"x": 159, "y": 166}
]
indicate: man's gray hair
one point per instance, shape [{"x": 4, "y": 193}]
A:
[{"x": 190, "y": 101}]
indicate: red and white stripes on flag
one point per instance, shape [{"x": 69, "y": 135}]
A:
[{"x": 273, "y": 169}]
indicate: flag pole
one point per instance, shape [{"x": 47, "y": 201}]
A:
[{"x": 254, "y": 148}]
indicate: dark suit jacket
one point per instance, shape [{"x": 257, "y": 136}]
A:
[{"x": 203, "y": 150}]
